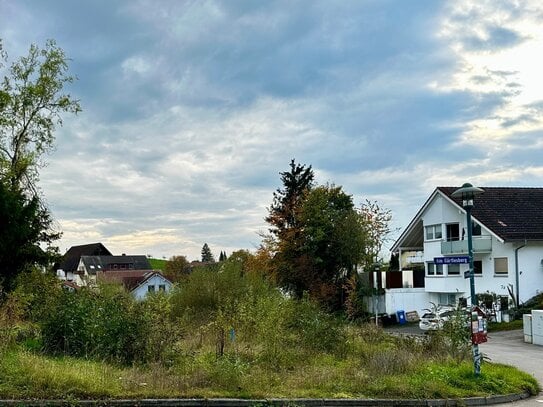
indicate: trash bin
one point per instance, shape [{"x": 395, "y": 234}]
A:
[{"x": 401, "y": 317}]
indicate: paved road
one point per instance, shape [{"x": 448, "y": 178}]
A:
[{"x": 508, "y": 347}]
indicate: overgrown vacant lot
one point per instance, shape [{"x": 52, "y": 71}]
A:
[{"x": 225, "y": 334}]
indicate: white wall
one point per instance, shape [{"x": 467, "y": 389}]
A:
[
  {"x": 408, "y": 299},
  {"x": 141, "y": 291}
]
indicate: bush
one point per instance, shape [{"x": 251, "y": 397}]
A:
[
  {"x": 35, "y": 294},
  {"x": 107, "y": 324}
]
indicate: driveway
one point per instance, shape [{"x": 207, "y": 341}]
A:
[{"x": 508, "y": 347}]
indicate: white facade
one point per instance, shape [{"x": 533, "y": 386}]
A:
[
  {"x": 74, "y": 277},
  {"x": 500, "y": 267},
  {"x": 155, "y": 283}
]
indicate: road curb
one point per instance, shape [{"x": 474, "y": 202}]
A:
[{"x": 471, "y": 401}]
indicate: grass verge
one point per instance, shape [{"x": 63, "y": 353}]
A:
[{"x": 24, "y": 375}]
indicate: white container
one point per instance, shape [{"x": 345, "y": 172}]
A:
[
  {"x": 527, "y": 327},
  {"x": 537, "y": 327}
]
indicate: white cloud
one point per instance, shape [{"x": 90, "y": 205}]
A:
[
  {"x": 511, "y": 69},
  {"x": 191, "y": 109}
]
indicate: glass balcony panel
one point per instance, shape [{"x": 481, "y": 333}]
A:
[{"x": 481, "y": 244}]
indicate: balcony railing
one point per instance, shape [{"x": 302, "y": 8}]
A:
[{"x": 481, "y": 244}]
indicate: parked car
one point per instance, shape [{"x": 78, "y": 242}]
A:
[{"x": 434, "y": 320}]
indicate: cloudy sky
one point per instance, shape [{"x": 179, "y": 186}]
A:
[{"x": 192, "y": 108}]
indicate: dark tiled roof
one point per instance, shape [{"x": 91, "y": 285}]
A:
[
  {"x": 104, "y": 263},
  {"x": 514, "y": 214},
  {"x": 70, "y": 260}
]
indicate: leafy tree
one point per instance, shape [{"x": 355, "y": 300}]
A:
[
  {"x": 334, "y": 242},
  {"x": 376, "y": 222},
  {"x": 24, "y": 225},
  {"x": 32, "y": 99},
  {"x": 176, "y": 268},
  {"x": 207, "y": 256},
  {"x": 318, "y": 238}
]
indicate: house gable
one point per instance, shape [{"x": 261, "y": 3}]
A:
[{"x": 71, "y": 258}]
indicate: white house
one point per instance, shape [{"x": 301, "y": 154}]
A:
[
  {"x": 138, "y": 282},
  {"x": 507, "y": 243}
]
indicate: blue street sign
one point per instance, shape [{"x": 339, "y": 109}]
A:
[{"x": 451, "y": 260}]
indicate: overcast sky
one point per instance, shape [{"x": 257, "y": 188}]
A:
[{"x": 192, "y": 108}]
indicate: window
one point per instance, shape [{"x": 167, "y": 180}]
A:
[
  {"x": 453, "y": 269},
  {"x": 151, "y": 289},
  {"x": 447, "y": 299},
  {"x": 453, "y": 232},
  {"x": 501, "y": 266},
  {"x": 478, "y": 267},
  {"x": 435, "y": 269},
  {"x": 433, "y": 232},
  {"x": 162, "y": 287},
  {"x": 475, "y": 229}
]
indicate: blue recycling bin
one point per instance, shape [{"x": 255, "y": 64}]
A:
[{"x": 401, "y": 317}]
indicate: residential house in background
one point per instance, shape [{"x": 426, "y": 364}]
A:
[
  {"x": 67, "y": 270},
  {"x": 507, "y": 226},
  {"x": 90, "y": 265},
  {"x": 81, "y": 263},
  {"x": 138, "y": 282}
]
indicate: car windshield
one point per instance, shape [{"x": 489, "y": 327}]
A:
[{"x": 428, "y": 316}]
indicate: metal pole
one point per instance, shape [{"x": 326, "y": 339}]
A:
[{"x": 475, "y": 347}]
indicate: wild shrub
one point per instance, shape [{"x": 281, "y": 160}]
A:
[
  {"x": 315, "y": 329},
  {"x": 457, "y": 332},
  {"x": 35, "y": 294},
  {"x": 7, "y": 329},
  {"x": 215, "y": 303},
  {"x": 106, "y": 323},
  {"x": 164, "y": 333}
]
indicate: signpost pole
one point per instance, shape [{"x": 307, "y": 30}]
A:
[
  {"x": 475, "y": 346},
  {"x": 467, "y": 192}
]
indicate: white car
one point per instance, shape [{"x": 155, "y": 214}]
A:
[{"x": 433, "y": 321}]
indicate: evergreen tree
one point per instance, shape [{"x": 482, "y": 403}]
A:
[
  {"x": 207, "y": 256},
  {"x": 24, "y": 224},
  {"x": 283, "y": 212},
  {"x": 290, "y": 262}
]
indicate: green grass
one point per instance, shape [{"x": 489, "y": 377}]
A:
[
  {"x": 505, "y": 326},
  {"x": 157, "y": 264},
  {"x": 239, "y": 374},
  {"x": 282, "y": 348}
]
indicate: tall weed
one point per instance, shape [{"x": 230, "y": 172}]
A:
[{"x": 106, "y": 324}]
